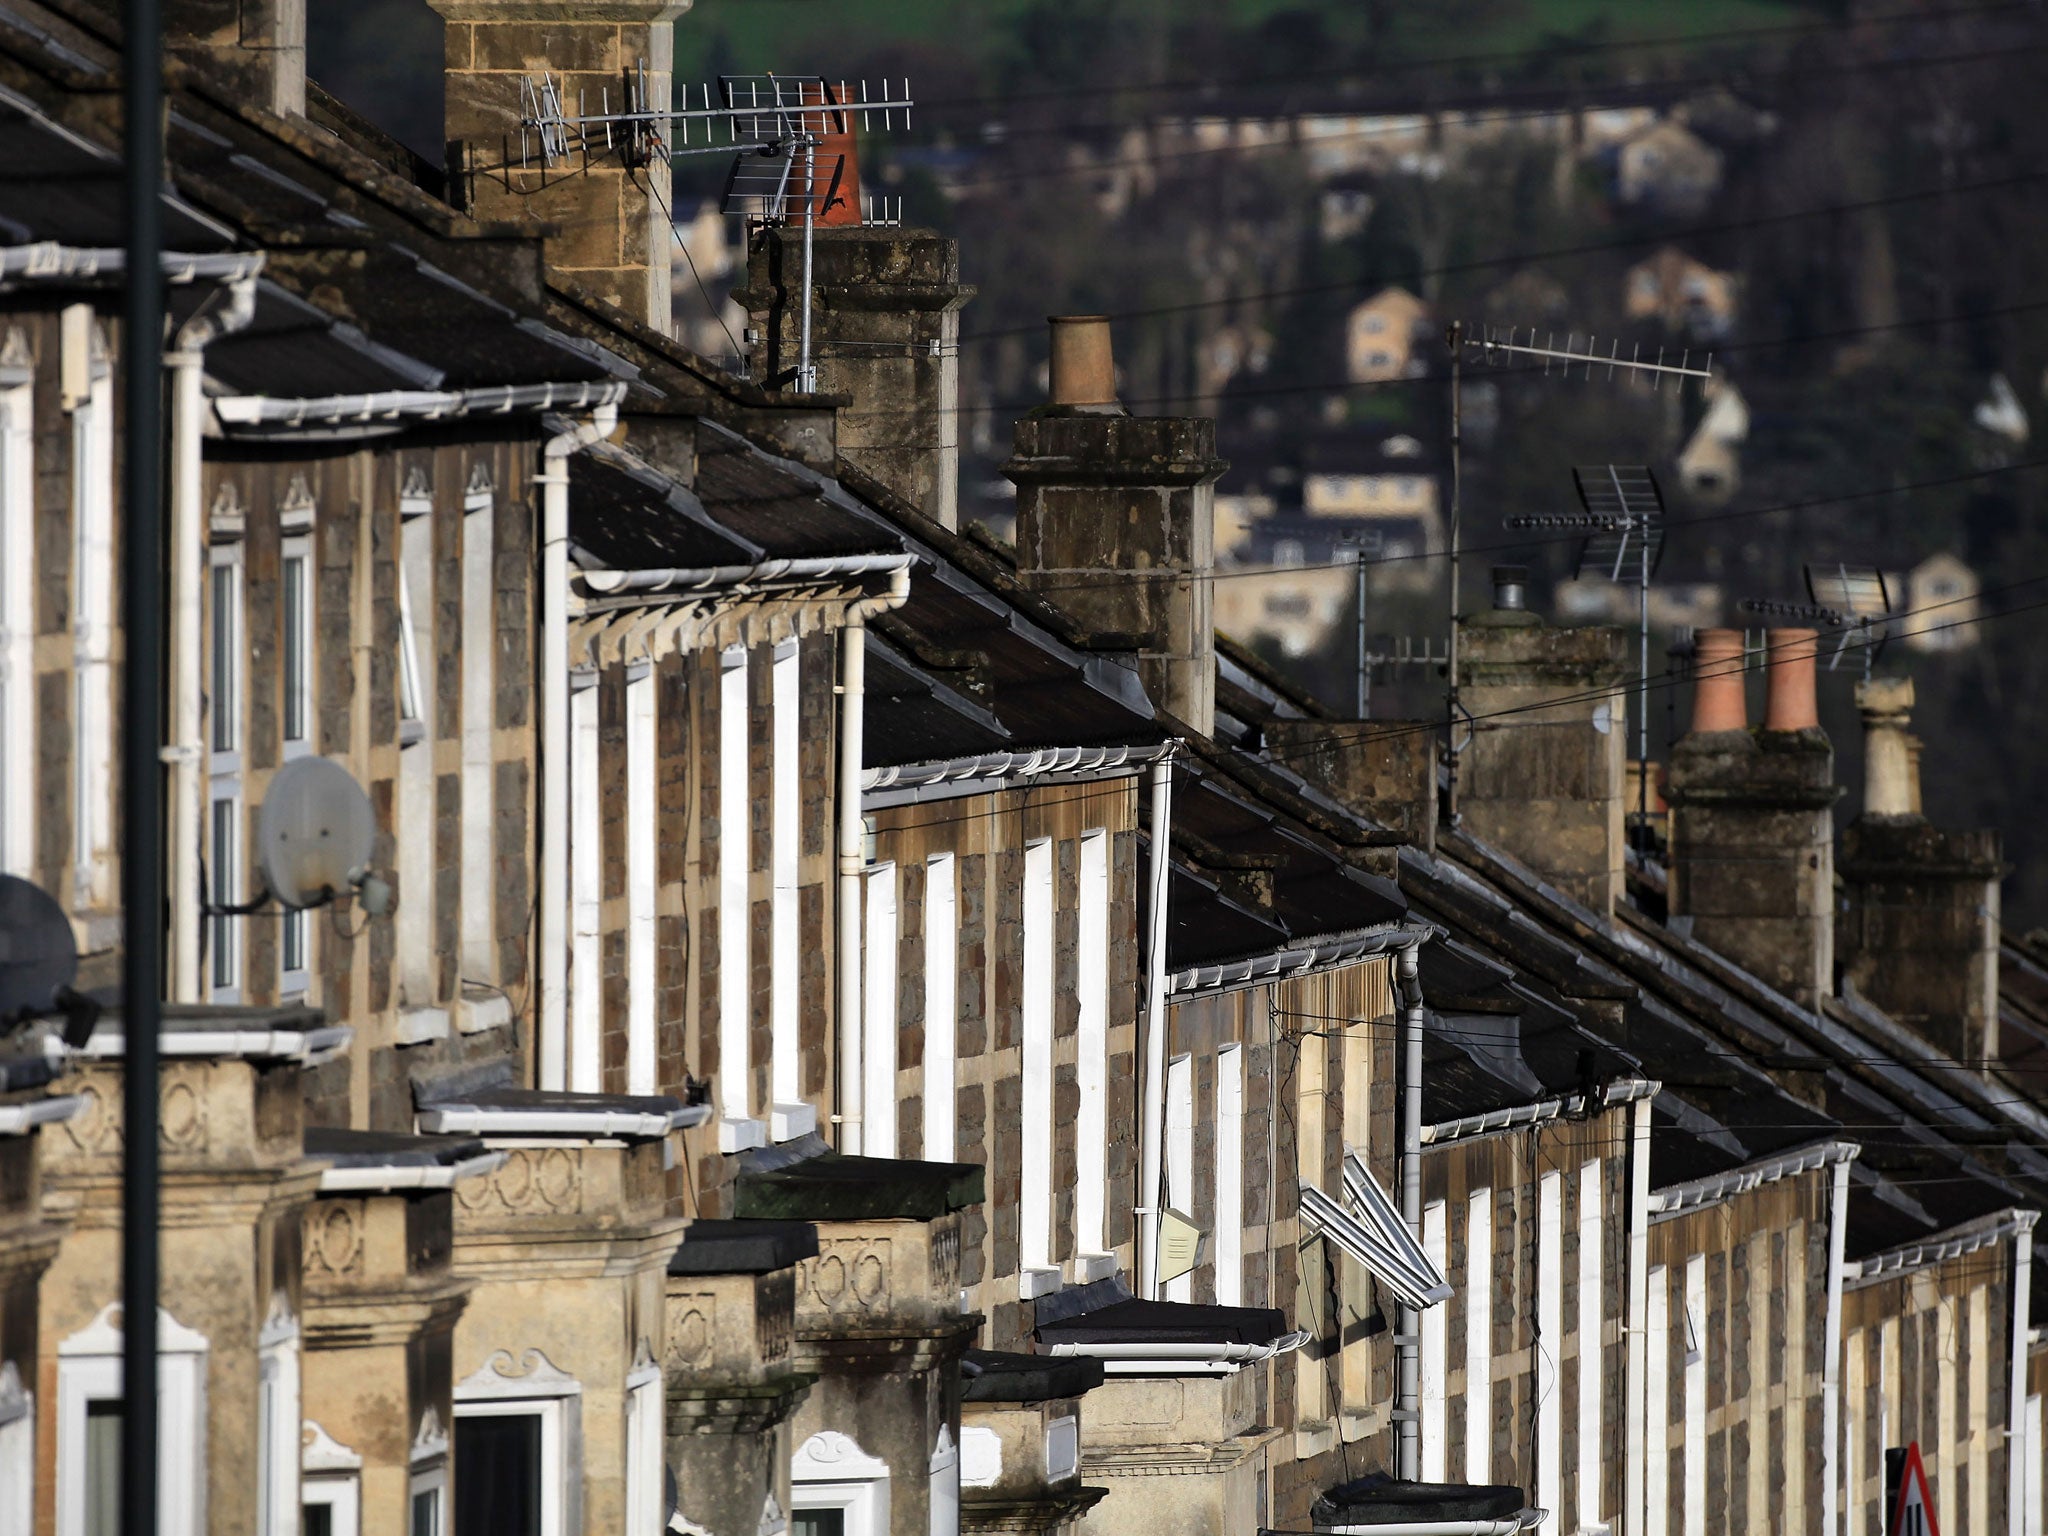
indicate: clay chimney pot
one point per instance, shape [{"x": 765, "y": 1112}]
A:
[
  {"x": 1083, "y": 369},
  {"x": 1717, "y": 698},
  {"x": 1789, "y": 703}
]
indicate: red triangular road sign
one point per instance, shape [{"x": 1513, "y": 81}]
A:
[{"x": 1912, "y": 1512}]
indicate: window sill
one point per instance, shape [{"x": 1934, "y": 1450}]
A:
[
  {"x": 1312, "y": 1439},
  {"x": 417, "y": 1026},
  {"x": 487, "y": 1011},
  {"x": 1090, "y": 1267},
  {"x": 1037, "y": 1280},
  {"x": 740, "y": 1135},
  {"x": 786, "y": 1122}
]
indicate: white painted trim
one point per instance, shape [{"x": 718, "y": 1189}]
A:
[
  {"x": 418, "y": 856},
  {"x": 878, "y": 1006},
  {"x": 1695, "y": 1321},
  {"x": 943, "y": 1502},
  {"x": 93, "y": 616},
  {"x": 532, "y": 1384},
  {"x": 88, "y": 1371},
  {"x": 1091, "y": 1048},
  {"x": 1479, "y": 1336},
  {"x": 1180, "y": 1156},
  {"x": 981, "y": 1456},
  {"x": 735, "y": 841},
  {"x": 1435, "y": 1356},
  {"x": 226, "y": 689},
  {"x": 386, "y": 1179},
  {"x": 1550, "y": 1347},
  {"x": 280, "y": 1428},
  {"x": 321, "y": 1452},
  {"x": 479, "y": 713},
  {"x": 18, "y": 709},
  {"x": 2031, "y": 1481},
  {"x": 785, "y": 940},
  {"x": 586, "y": 889},
  {"x": 1657, "y": 1399},
  {"x": 1062, "y": 1448},
  {"x": 831, "y": 1471},
  {"x": 1592, "y": 1332},
  {"x": 20, "y": 1119},
  {"x": 644, "y": 1450},
  {"x": 1035, "y": 1130},
  {"x": 342, "y": 1494},
  {"x": 417, "y": 1026},
  {"x": 941, "y": 1003},
  {"x": 1227, "y": 1246},
  {"x": 17, "y": 1453},
  {"x": 642, "y": 843},
  {"x": 296, "y": 668}
]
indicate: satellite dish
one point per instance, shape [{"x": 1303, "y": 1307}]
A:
[
  {"x": 315, "y": 833},
  {"x": 38, "y": 955}
]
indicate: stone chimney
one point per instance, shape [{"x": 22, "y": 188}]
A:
[
  {"x": 1543, "y": 774},
  {"x": 1752, "y": 846},
  {"x": 1116, "y": 519},
  {"x": 1919, "y": 935},
  {"x": 259, "y": 45},
  {"x": 885, "y": 330},
  {"x": 610, "y": 235}
]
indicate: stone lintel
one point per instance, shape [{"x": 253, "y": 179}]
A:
[
  {"x": 734, "y": 1408},
  {"x": 1042, "y": 1516}
]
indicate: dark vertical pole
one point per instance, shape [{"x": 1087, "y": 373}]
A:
[
  {"x": 1456, "y": 339},
  {"x": 142, "y": 735}
]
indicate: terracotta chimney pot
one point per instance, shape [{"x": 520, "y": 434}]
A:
[
  {"x": 1717, "y": 697},
  {"x": 1789, "y": 703},
  {"x": 835, "y": 164},
  {"x": 1083, "y": 369}
]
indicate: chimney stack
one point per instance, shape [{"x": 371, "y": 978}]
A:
[
  {"x": 1920, "y": 931},
  {"x": 1116, "y": 520},
  {"x": 1752, "y": 847},
  {"x": 259, "y": 45},
  {"x": 611, "y": 232},
  {"x": 1542, "y": 777},
  {"x": 885, "y": 332}
]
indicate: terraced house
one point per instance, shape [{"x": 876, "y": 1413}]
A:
[{"x": 877, "y": 1028}]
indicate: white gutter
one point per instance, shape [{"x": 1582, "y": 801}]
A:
[
  {"x": 389, "y": 410},
  {"x": 853, "y": 671},
  {"x": 2017, "y": 1523},
  {"x": 391, "y": 1179},
  {"x": 553, "y": 1018},
  {"x": 1541, "y": 1112},
  {"x": 186, "y": 754},
  {"x": 1507, "y": 1525},
  {"x": 1152, "y": 1127},
  {"x": 918, "y": 783},
  {"x": 48, "y": 261},
  {"x": 1694, "y": 1194},
  {"x": 503, "y": 1120},
  {"x": 1325, "y": 952},
  {"x": 684, "y": 579},
  {"x": 308, "y": 1047},
  {"x": 19, "y": 1119},
  {"x": 1636, "y": 1515},
  {"x": 1408, "y": 1342},
  {"x": 1831, "y": 1348},
  {"x": 1128, "y": 1359},
  {"x": 1959, "y": 1242}
]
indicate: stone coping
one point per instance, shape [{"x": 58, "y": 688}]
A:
[
  {"x": 996, "y": 1376},
  {"x": 830, "y": 1187},
  {"x": 743, "y": 1247}
]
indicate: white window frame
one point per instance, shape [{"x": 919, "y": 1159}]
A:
[
  {"x": 295, "y": 929},
  {"x": 89, "y": 1371},
  {"x": 944, "y": 1487},
  {"x": 788, "y": 1115},
  {"x": 1036, "y": 1270},
  {"x": 1228, "y": 1243},
  {"x": 1550, "y": 1343},
  {"x": 1479, "y": 1336},
  {"x": 738, "y": 1130},
  {"x": 280, "y": 1430},
  {"x": 1092, "y": 1258},
  {"x": 418, "y": 986},
  {"x": 505, "y": 1388},
  {"x": 1592, "y": 1338},
  {"x": 586, "y": 886},
  {"x": 831, "y": 1471},
  {"x": 331, "y": 1475},
  {"x": 1657, "y": 1401},
  {"x": 1435, "y": 1357},
  {"x": 644, "y": 1448},
  {"x": 2030, "y": 1469},
  {"x": 642, "y": 1073},
  {"x": 479, "y": 710},
  {"x": 1180, "y": 1157},
  {"x": 17, "y": 609},
  {"x": 1696, "y": 1396},
  {"x": 428, "y": 1473},
  {"x": 17, "y": 1453},
  {"x": 878, "y": 1011},
  {"x": 227, "y": 688},
  {"x": 89, "y": 397},
  {"x": 941, "y": 1003}
]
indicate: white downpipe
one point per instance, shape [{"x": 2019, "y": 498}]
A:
[
  {"x": 1831, "y": 1357},
  {"x": 186, "y": 754},
  {"x": 1152, "y": 1134},
  {"x": 1636, "y": 1519},
  {"x": 853, "y": 671},
  {"x": 2016, "y": 1408},
  {"x": 553, "y": 1052},
  {"x": 1408, "y": 1345}
]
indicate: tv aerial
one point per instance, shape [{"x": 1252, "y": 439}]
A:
[
  {"x": 1853, "y": 600},
  {"x": 315, "y": 837},
  {"x": 791, "y": 138},
  {"x": 39, "y": 962}
]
